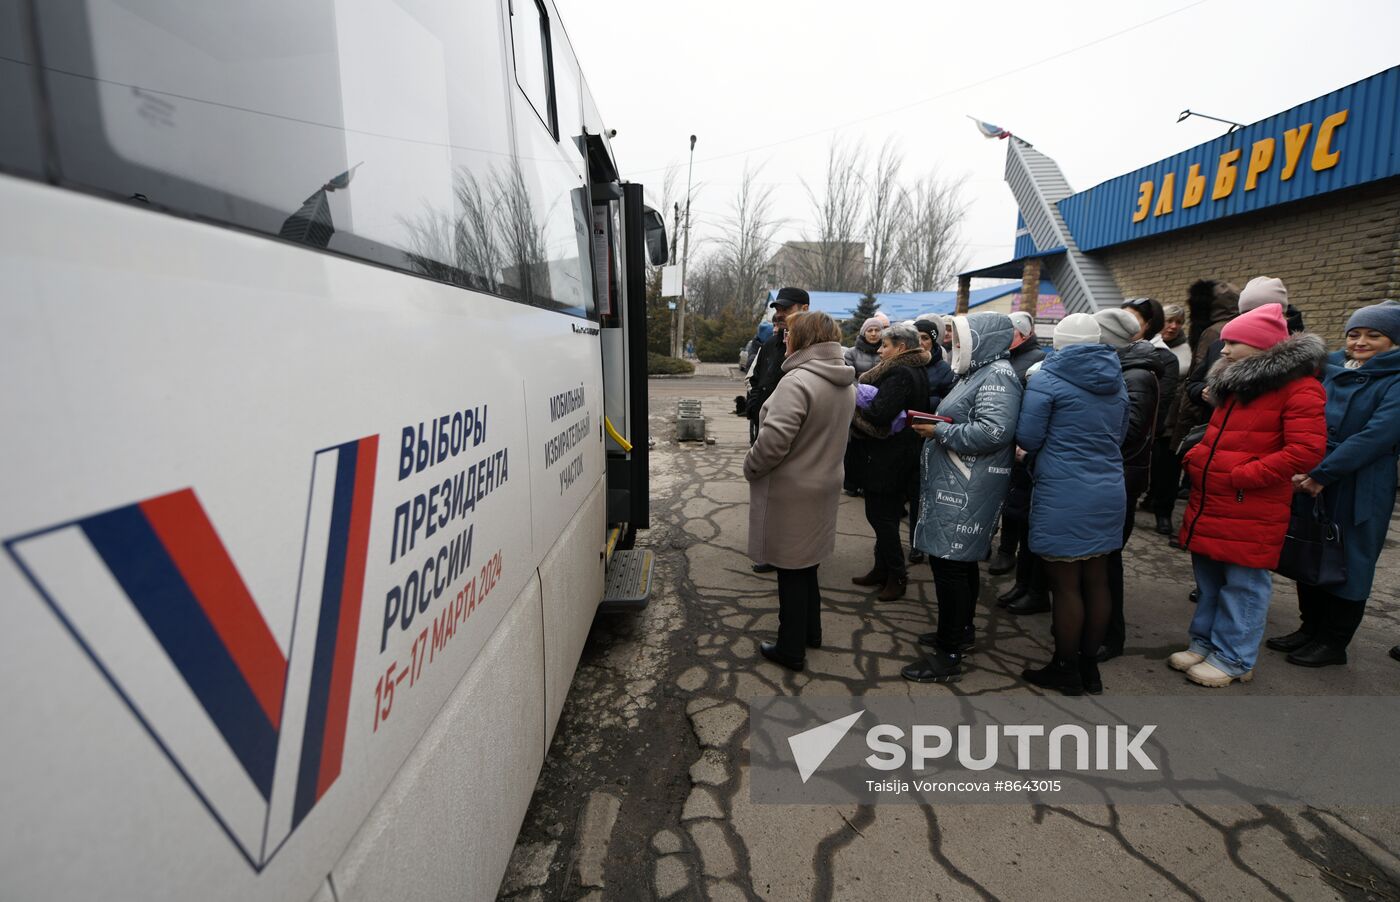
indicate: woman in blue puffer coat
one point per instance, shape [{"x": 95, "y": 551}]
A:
[{"x": 1074, "y": 418}]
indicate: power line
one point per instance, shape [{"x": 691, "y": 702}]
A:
[{"x": 949, "y": 93}]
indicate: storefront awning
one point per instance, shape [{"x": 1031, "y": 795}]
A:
[{"x": 1011, "y": 269}]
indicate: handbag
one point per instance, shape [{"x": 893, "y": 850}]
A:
[{"x": 1313, "y": 553}]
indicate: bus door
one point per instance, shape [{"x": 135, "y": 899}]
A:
[{"x": 626, "y": 234}]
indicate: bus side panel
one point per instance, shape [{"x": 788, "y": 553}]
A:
[
  {"x": 256, "y": 438},
  {"x": 572, "y": 573},
  {"x": 431, "y": 836}
]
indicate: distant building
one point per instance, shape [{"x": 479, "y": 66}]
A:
[{"x": 818, "y": 265}]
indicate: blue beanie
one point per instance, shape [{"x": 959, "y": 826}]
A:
[
  {"x": 765, "y": 331},
  {"x": 1383, "y": 317}
]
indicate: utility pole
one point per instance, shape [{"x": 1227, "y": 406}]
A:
[
  {"x": 685, "y": 254},
  {"x": 675, "y": 231}
]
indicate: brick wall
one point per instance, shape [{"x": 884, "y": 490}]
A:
[{"x": 1335, "y": 253}]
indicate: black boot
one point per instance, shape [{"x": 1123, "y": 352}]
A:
[
  {"x": 1060, "y": 673},
  {"x": 969, "y": 640},
  {"x": 1291, "y": 642},
  {"x": 916, "y": 556},
  {"x": 1395, "y": 652},
  {"x": 1031, "y": 603},
  {"x": 937, "y": 666},
  {"x": 770, "y": 651},
  {"x": 1164, "y": 524},
  {"x": 1012, "y": 594},
  {"x": 1108, "y": 653},
  {"x": 1002, "y": 562},
  {"x": 1089, "y": 675},
  {"x": 876, "y": 577},
  {"x": 1318, "y": 653}
]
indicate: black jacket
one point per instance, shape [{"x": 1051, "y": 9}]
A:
[
  {"x": 940, "y": 379},
  {"x": 766, "y": 373},
  {"x": 1026, "y": 356},
  {"x": 878, "y": 460},
  {"x": 1142, "y": 371}
]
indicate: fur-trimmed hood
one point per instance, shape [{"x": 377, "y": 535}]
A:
[
  {"x": 1300, "y": 355},
  {"x": 915, "y": 358}
]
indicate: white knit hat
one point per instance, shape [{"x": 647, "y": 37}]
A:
[
  {"x": 1022, "y": 322},
  {"x": 1263, "y": 290},
  {"x": 1077, "y": 329}
]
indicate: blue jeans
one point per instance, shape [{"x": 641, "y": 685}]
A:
[{"x": 1231, "y": 613}]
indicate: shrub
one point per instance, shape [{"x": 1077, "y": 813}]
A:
[{"x": 661, "y": 365}]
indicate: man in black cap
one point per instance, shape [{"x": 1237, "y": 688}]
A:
[{"x": 768, "y": 369}]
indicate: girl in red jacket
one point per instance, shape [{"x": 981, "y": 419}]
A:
[{"x": 1268, "y": 425}]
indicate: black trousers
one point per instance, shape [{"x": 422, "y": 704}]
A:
[
  {"x": 883, "y": 512},
  {"x": 799, "y": 611},
  {"x": 1117, "y": 628},
  {"x": 1166, "y": 477},
  {"x": 1327, "y": 617},
  {"x": 956, "y": 585}
]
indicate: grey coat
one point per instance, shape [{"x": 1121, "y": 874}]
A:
[
  {"x": 794, "y": 467},
  {"x": 967, "y": 464},
  {"x": 864, "y": 357}
]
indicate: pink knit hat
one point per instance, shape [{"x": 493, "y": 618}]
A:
[{"x": 1262, "y": 327}]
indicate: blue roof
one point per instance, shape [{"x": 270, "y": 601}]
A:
[{"x": 907, "y": 305}]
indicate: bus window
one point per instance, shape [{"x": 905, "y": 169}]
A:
[
  {"x": 379, "y": 129},
  {"x": 529, "y": 28},
  {"x": 19, "y": 138}
]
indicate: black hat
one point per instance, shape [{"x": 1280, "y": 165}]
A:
[{"x": 790, "y": 296}]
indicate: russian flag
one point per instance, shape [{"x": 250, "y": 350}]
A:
[
  {"x": 154, "y": 599},
  {"x": 990, "y": 131}
]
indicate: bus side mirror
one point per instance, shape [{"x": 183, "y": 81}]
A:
[{"x": 655, "y": 229}]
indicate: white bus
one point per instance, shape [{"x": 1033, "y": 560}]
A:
[{"x": 323, "y": 350}]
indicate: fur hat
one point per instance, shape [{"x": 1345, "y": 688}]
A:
[
  {"x": 1077, "y": 329},
  {"x": 1262, "y": 327},
  {"x": 1262, "y": 290},
  {"x": 1119, "y": 328}
]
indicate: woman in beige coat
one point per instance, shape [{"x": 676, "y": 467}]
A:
[{"x": 794, "y": 472}]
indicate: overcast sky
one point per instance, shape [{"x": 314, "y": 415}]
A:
[{"x": 1095, "y": 85}]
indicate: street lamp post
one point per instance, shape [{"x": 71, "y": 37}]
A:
[{"x": 685, "y": 255}]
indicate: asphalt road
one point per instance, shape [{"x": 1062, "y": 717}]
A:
[{"x": 645, "y": 792}]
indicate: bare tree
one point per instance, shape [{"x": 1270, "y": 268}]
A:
[
  {"x": 744, "y": 240},
  {"x": 709, "y": 286},
  {"x": 931, "y": 251},
  {"x": 885, "y": 220},
  {"x": 831, "y": 258}
]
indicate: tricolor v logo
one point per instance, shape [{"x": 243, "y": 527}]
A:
[{"x": 152, "y": 596}]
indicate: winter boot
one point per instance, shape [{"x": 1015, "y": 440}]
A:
[
  {"x": 1060, "y": 673},
  {"x": 876, "y": 577},
  {"x": 894, "y": 588},
  {"x": 937, "y": 666},
  {"x": 1089, "y": 675}
]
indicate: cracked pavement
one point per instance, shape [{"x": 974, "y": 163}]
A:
[{"x": 644, "y": 793}]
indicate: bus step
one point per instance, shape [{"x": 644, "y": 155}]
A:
[{"x": 628, "y": 583}]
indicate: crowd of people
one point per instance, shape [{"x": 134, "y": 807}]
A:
[{"x": 1035, "y": 462}]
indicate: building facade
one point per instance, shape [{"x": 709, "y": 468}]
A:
[{"x": 1310, "y": 195}]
